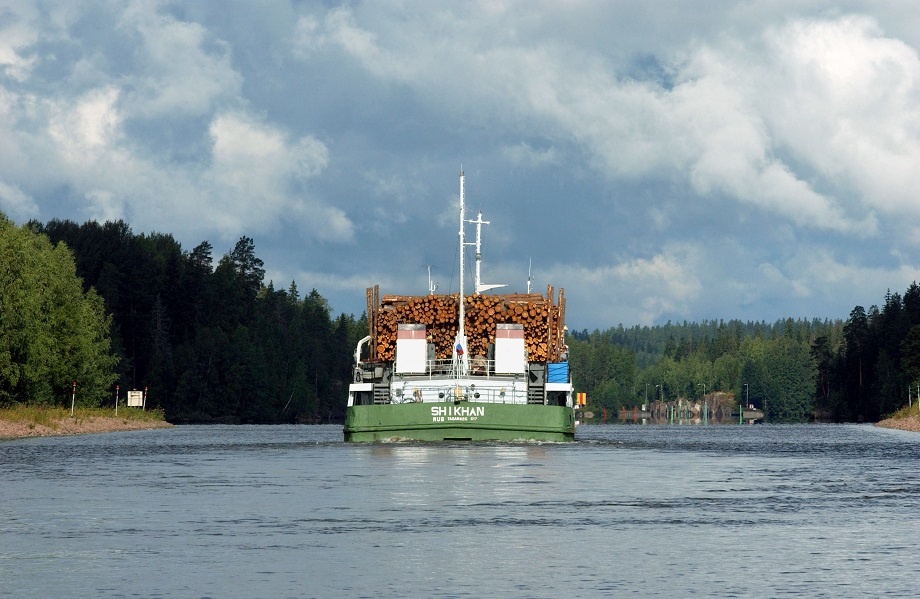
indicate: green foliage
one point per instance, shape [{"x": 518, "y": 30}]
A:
[
  {"x": 912, "y": 410},
  {"x": 878, "y": 359},
  {"x": 606, "y": 371},
  {"x": 213, "y": 343},
  {"x": 49, "y": 416},
  {"x": 788, "y": 378},
  {"x": 52, "y": 333},
  {"x": 772, "y": 365},
  {"x": 910, "y": 355},
  {"x": 795, "y": 370}
]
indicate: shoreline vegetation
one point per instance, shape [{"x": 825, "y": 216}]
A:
[
  {"x": 905, "y": 419},
  {"x": 909, "y": 423},
  {"x": 21, "y": 422}
]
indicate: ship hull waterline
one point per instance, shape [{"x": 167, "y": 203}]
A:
[{"x": 464, "y": 421}]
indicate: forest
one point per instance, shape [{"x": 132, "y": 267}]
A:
[
  {"x": 795, "y": 370},
  {"x": 210, "y": 341}
]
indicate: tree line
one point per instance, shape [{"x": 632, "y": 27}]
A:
[
  {"x": 53, "y": 333},
  {"x": 98, "y": 305},
  {"x": 858, "y": 369},
  {"x": 209, "y": 342}
]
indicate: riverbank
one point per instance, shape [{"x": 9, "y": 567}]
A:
[
  {"x": 910, "y": 423},
  {"x": 905, "y": 419},
  {"x": 32, "y": 422}
]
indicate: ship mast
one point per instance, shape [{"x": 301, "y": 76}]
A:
[
  {"x": 460, "y": 347},
  {"x": 478, "y": 286}
]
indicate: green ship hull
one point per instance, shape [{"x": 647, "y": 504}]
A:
[{"x": 464, "y": 421}]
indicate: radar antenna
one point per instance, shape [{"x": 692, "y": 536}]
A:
[{"x": 432, "y": 286}]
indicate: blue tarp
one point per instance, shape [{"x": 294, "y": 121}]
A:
[{"x": 557, "y": 373}]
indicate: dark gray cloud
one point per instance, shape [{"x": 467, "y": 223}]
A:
[{"x": 659, "y": 161}]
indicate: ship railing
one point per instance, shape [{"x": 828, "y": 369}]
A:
[
  {"x": 512, "y": 394},
  {"x": 479, "y": 367},
  {"x": 436, "y": 369}
]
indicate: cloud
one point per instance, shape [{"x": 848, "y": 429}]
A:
[
  {"x": 347, "y": 285},
  {"x": 818, "y": 273},
  {"x": 15, "y": 203},
  {"x": 86, "y": 138},
  {"x": 731, "y": 115},
  {"x": 85, "y": 128},
  {"x": 846, "y": 102},
  {"x": 180, "y": 68},
  {"x": 635, "y": 290},
  {"x": 253, "y": 171},
  {"x": 304, "y": 41},
  {"x": 725, "y": 278},
  {"x": 526, "y": 155},
  {"x": 669, "y": 162},
  {"x": 795, "y": 127},
  {"x": 16, "y": 36}
]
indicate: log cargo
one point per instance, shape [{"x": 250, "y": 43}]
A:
[{"x": 541, "y": 317}]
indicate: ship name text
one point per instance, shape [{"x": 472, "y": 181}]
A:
[{"x": 456, "y": 413}]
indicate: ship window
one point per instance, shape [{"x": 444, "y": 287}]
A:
[{"x": 556, "y": 398}]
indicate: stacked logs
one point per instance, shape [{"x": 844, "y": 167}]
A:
[{"x": 542, "y": 321}]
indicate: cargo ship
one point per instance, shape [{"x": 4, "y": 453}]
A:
[{"x": 458, "y": 367}]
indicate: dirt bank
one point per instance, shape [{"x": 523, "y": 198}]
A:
[
  {"x": 76, "y": 426},
  {"x": 911, "y": 423}
]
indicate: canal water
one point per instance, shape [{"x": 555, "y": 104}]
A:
[{"x": 291, "y": 511}]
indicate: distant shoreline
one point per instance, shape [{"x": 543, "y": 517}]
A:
[
  {"x": 76, "y": 426},
  {"x": 10, "y": 430}
]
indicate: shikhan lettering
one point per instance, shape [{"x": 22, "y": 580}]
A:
[{"x": 454, "y": 413}]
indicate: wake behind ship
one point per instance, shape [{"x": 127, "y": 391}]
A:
[{"x": 462, "y": 367}]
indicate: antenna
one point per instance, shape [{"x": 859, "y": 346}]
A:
[
  {"x": 432, "y": 286},
  {"x": 478, "y": 286},
  {"x": 529, "y": 278}
]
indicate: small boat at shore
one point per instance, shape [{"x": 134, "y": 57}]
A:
[{"x": 457, "y": 367}]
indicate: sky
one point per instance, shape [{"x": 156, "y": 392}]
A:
[{"x": 660, "y": 161}]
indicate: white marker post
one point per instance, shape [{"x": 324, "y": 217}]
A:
[
  {"x": 116, "y": 401},
  {"x": 73, "y": 398}
]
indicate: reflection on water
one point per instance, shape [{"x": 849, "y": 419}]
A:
[{"x": 290, "y": 511}]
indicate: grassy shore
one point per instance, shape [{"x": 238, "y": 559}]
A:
[
  {"x": 905, "y": 419},
  {"x": 38, "y": 421}
]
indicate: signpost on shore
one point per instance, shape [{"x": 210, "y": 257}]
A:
[{"x": 136, "y": 399}]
